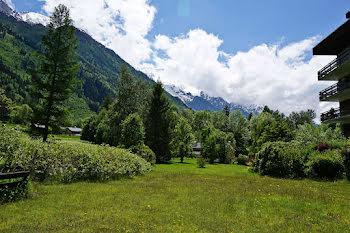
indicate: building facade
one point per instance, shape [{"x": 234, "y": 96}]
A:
[{"x": 337, "y": 43}]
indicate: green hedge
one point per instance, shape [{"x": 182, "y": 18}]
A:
[
  {"x": 325, "y": 165},
  {"x": 346, "y": 160},
  {"x": 67, "y": 162},
  {"x": 280, "y": 159}
]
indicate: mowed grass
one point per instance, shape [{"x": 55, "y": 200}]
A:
[{"x": 183, "y": 198}]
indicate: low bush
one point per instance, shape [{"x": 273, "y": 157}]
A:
[
  {"x": 346, "y": 160},
  {"x": 280, "y": 159},
  {"x": 8, "y": 194},
  {"x": 67, "y": 162},
  {"x": 144, "y": 152},
  {"x": 201, "y": 162},
  {"x": 243, "y": 159},
  {"x": 325, "y": 165}
]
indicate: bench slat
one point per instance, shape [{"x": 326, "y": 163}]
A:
[{"x": 12, "y": 175}]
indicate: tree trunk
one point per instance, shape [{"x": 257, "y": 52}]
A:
[{"x": 182, "y": 159}]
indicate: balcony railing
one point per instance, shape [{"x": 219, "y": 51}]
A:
[
  {"x": 334, "y": 89},
  {"x": 334, "y": 114},
  {"x": 334, "y": 64}
]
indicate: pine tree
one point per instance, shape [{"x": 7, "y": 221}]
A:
[
  {"x": 54, "y": 78},
  {"x": 227, "y": 110},
  {"x": 157, "y": 126}
]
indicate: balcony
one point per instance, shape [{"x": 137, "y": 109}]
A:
[
  {"x": 336, "y": 69},
  {"x": 337, "y": 92},
  {"x": 336, "y": 115}
]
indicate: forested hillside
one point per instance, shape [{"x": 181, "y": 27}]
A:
[{"x": 100, "y": 67}]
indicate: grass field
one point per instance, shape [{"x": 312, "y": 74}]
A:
[{"x": 183, "y": 198}]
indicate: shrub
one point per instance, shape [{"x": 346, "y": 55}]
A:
[
  {"x": 346, "y": 160},
  {"x": 325, "y": 165},
  {"x": 201, "y": 162},
  {"x": 242, "y": 159},
  {"x": 323, "y": 146},
  {"x": 67, "y": 162},
  {"x": 18, "y": 192},
  {"x": 280, "y": 159},
  {"x": 144, "y": 152},
  {"x": 133, "y": 132}
]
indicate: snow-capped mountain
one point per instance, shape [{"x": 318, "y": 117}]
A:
[
  {"x": 29, "y": 17},
  {"x": 206, "y": 102},
  {"x": 35, "y": 18},
  {"x": 5, "y": 8}
]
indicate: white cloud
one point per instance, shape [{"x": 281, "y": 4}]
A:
[
  {"x": 119, "y": 24},
  {"x": 283, "y": 77},
  {"x": 10, "y": 4}
]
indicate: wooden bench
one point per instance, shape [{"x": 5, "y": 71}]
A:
[{"x": 15, "y": 179}]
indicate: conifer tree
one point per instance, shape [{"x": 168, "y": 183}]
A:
[
  {"x": 157, "y": 126},
  {"x": 54, "y": 78}
]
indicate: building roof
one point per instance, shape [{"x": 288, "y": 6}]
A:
[
  {"x": 74, "y": 129},
  {"x": 335, "y": 42}
]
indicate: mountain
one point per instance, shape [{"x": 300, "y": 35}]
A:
[
  {"x": 34, "y": 18},
  {"x": 20, "y": 38},
  {"x": 206, "y": 102}
]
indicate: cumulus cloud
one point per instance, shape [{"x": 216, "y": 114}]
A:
[
  {"x": 282, "y": 77},
  {"x": 121, "y": 25}
]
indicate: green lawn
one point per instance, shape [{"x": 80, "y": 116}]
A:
[{"x": 184, "y": 198}]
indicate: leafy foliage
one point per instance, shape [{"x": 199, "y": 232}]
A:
[
  {"x": 183, "y": 139},
  {"x": 267, "y": 127},
  {"x": 280, "y": 159},
  {"x": 6, "y": 106},
  {"x": 144, "y": 152},
  {"x": 326, "y": 165},
  {"x": 66, "y": 162},
  {"x": 133, "y": 132},
  {"x": 346, "y": 160}
]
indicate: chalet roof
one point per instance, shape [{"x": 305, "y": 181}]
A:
[
  {"x": 75, "y": 129},
  {"x": 335, "y": 42}
]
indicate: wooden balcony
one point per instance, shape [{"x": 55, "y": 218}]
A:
[
  {"x": 336, "y": 115},
  {"x": 337, "y": 92},
  {"x": 336, "y": 69}
]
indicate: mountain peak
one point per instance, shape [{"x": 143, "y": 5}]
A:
[
  {"x": 6, "y": 8},
  {"x": 206, "y": 102},
  {"x": 35, "y": 18}
]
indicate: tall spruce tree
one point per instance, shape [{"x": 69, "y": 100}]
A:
[
  {"x": 158, "y": 135},
  {"x": 53, "y": 79}
]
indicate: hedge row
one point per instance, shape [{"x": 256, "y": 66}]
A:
[
  {"x": 285, "y": 160},
  {"x": 66, "y": 162}
]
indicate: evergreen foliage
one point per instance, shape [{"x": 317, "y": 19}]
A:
[
  {"x": 54, "y": 78},
  {"x": 158, "y": 136}
]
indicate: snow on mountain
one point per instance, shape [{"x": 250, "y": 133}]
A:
[
  {"x": 28, "y": 17},
  {"x": 206, "y": 102},
  {"x": 5, "y": 8},
  {"x": 35, "y": 18},
  {"x": 177, "y": 92}
]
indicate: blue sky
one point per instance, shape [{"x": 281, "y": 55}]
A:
[
  {"x": 246, "y": 51},
  {"x": 241, "y": 23}
]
